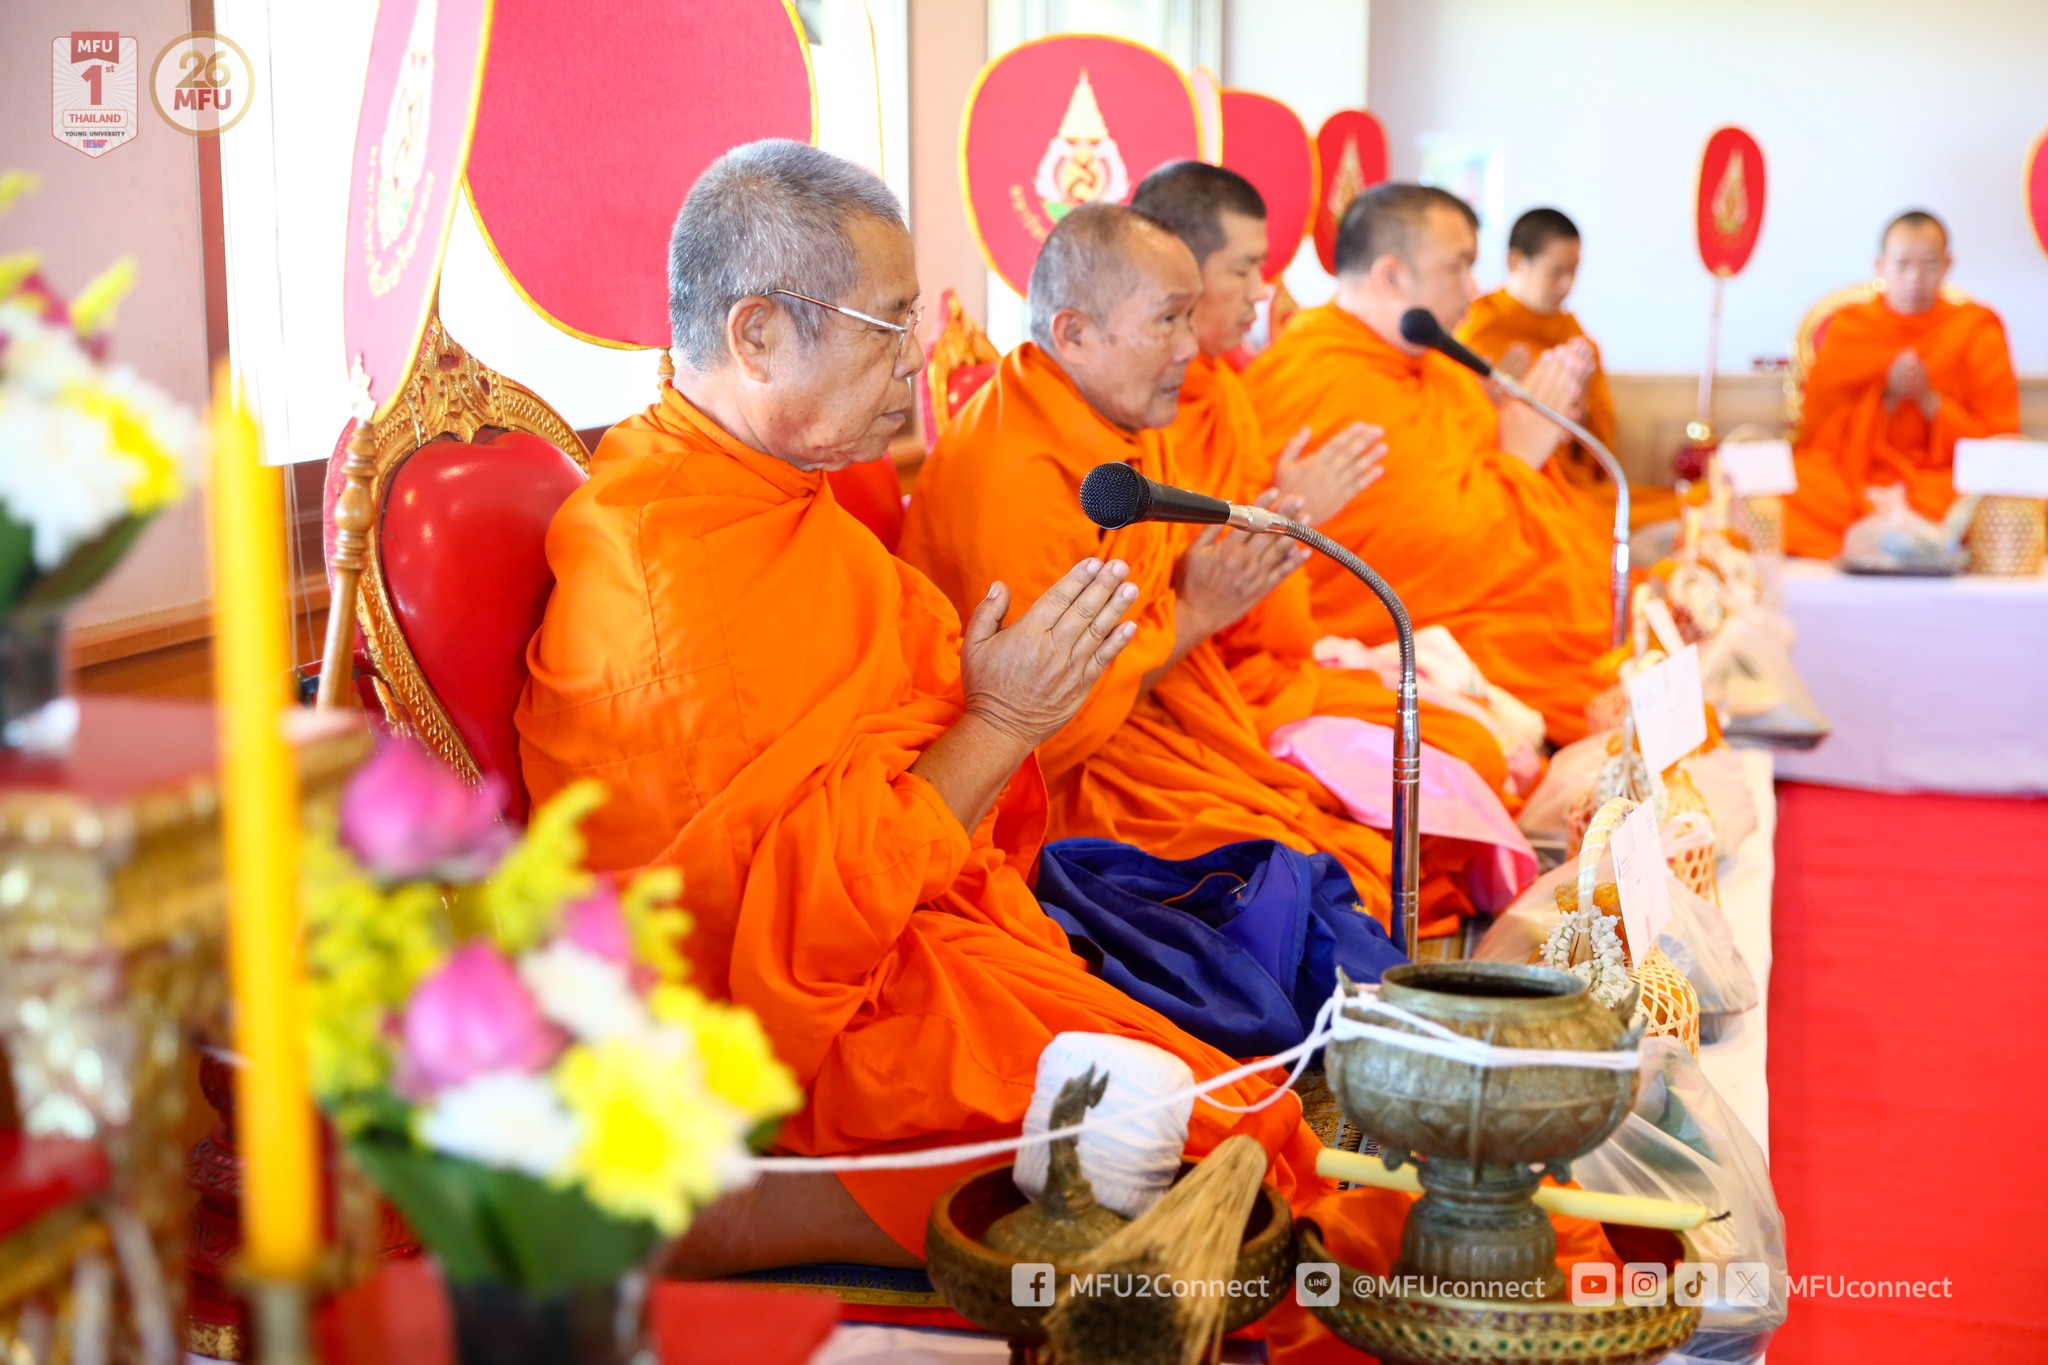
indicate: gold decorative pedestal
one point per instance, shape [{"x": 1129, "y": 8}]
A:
[{"x": 111, "y": 965}]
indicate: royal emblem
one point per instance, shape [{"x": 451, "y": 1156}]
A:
[
  {"x": 401, "y": 184},
  {"x": 1349, "y": 180},
  {"x": 1081, "y": 164},
  {"x": 1730, "y": 205}
]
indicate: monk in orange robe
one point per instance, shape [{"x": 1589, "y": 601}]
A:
[
  {"x": 1465, "y": 524},
  {"x": 1220, "y": 450},
  {"x": 801, "y": 724},
  {"x": 1526, "y": 317},
  {"x": 1167, "y": 754},
  {"x": 1895, "y": 383}
]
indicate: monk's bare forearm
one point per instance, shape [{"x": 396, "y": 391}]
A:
[{"x": 969, "y": 765}]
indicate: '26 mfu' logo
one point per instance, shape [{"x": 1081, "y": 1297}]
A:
[{"x": 202, "y": 84}]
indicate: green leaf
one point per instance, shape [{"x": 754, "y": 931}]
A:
[
  {"x": 85, "y": 566},
  {"x": 504, "y": 1227},
  {"x": 17, "y": 544}
]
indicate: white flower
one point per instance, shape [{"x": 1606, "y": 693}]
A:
[
  {"x": 586, "y": 994},
  {"x": 504, "y": 1119},
  {"x": 59, "y": 473}
]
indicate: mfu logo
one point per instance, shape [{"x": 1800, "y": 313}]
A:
[
  {"x": 202, "y": 83},
  {"x": 93, "y": 100}
]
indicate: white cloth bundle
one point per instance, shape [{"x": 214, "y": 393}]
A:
[{"x": 1129, "y": 1164}]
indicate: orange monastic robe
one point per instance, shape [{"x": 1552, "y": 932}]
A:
[
  {"x": 753, "y": 676},
  {"x": 1496, "y": 322},
  {"x": 1184, "y": 768},
  {"x": 1219, "y": 449},
  {"x": 1848, "y": 442},
  {"x": 1471, "y": 537}
]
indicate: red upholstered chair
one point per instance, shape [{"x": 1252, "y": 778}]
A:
[
  {"x": 467, "y": 472},
  {"x": 959, "y": 360}
]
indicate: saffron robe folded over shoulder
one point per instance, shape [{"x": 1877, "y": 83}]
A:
[
  {"x": 753, "y": 676},
  {"x": 1219, "y": 449},
  {"x": 1184, "y": 768},
  {"x": 1498, "y": 321},
  {"x": 1848, "y": 441},
  {"x": 1471, "y": 537}
]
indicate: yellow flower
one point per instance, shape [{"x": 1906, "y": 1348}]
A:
[
  {"x": 544, "y": 871},
  {"x": 656, "y": 923},
  {"x": 14, "y": 184},
  {"x": 739, "y": 1065},
  {"x": 365, "y": 951},
  {"x": 92, "y": 310},
  {"x": 654, "y": 1143},
  {"x": 16, "y": 268},
  {"x": 160, "y": 478}
]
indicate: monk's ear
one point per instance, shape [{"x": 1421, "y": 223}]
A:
[
  {"x": 1390, "y": 274},
  {"x": 750, "y": 336},
  {"x": 1070, "y": 330}
]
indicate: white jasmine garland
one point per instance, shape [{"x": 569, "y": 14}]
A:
[
  {"x": 588, "y": 995},
  {"x": 505, "y": 1119},
  {"x": 1605, "y": 971}
]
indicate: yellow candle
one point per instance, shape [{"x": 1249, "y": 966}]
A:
[
  {"x": 274, "y": 1120},
  {"x": 1626, "y": 1209}
]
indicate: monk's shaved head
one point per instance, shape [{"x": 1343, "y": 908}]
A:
[
  {"x": 1190, "y": 199},
  {"x": 1916, "y": 220},
  {"x": 1537, "y": 229},
  {"x": 1087, "y": 264},
  {"x": 1112, "y": 303},
  {"x": 768, "y": 215},
  {"x": 1390, "y": 220}
]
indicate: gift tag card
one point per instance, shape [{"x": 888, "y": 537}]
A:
[
  {"x": 2017, "y": 469},
  {"x": 1662, "y": 625},
  {"x": 1640, "y": 875},
  {"x": 1758, "y": 468},
  {"x": 1671, "y": 716}
]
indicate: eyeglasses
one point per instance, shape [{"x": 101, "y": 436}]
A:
[{"x": 903, "y": 331}]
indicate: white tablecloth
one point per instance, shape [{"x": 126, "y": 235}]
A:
[
  {"x": 1932, "y": 684},
  {"x": 1734, "y": 1063}
]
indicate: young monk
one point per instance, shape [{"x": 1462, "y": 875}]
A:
[
  {"x": 801, "y": 724},
  {"x": 1896, "y": 382},
  {"x": 1167, "y": 753},
  {"x": 1465, "y": 523},
  {"x": 1526, "y": 317},
  {"x": 1220, "y": 450}
]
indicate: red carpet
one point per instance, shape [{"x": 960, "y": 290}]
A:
[{"x": 1909, "y": 1032}]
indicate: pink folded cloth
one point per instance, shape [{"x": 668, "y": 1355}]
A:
[{"x": 1355, "y": 760}]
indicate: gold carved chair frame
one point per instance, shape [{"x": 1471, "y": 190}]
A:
[{"x": 450, "y": 395}]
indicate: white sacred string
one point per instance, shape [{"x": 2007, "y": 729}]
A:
[{"x": 1330, "y": 1025}]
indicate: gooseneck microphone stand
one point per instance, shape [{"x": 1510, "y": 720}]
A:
[
  {"x": 1116, "y": 495},
  {"x": 1419, "y": 327}
]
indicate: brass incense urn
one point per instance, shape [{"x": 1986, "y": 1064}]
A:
[{"x": 1486, "y": 1134}]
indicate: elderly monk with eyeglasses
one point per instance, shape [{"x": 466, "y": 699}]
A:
[{"x": 803, "y": 725}]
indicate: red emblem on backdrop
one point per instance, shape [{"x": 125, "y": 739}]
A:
[
  {"x": 1731, "y": 200},
  {"x": 596, "y": 120},
  {"x": 1266, "y": 143},
  {"x": 1061, "y": 122},
  {"x": 1352, "y": 150},
  {"x": 2037, "y": 190},
  {"x": 419, "y": 103}
]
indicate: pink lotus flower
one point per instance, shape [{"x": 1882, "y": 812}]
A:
[
  {"x": 597, "y": 925},
  {"x": 472, "y": 1018},
  {"x": 405, "y": 817}
]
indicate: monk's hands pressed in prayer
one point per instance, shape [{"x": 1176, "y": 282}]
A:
[
  {"x": 1558, "y": 378},
  {"x": 1326, "y": 481},
  {"x": 1224, "y": 574},
  {"x": 1906, "y": 382},
  {"x": 1514, "y": 361},
  {"x": 1026, "y": 680}
]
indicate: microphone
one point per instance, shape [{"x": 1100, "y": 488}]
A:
[
  {"x": 1419, "y": 327},
  {"x": 1115, "y": 496}
]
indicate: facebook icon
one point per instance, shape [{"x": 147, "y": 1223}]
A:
[{"x": 1031, "y": 1284}]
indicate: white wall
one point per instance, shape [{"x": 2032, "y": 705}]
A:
[
  {"x": 1310, "y": 54},
  {"x": 1863, "y": 108}
]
